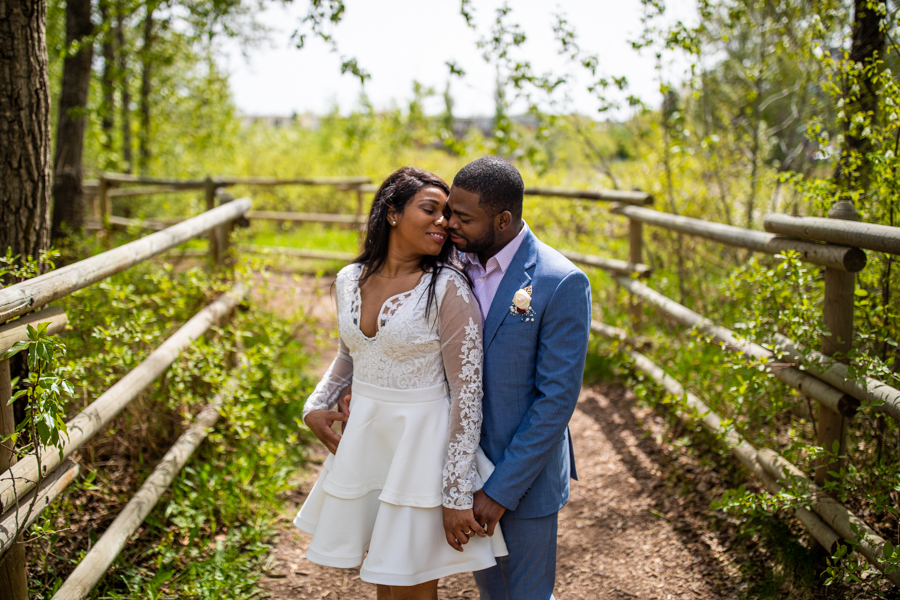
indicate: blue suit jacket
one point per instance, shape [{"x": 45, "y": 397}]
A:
[{"x": 532, "y": 378}]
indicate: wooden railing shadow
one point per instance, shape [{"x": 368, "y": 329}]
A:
[{"x": 649, "y": 463}]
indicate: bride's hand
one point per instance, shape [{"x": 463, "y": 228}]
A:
[
  {"x": 459, "y": 526},
  {"x": 320, "y": 422}
]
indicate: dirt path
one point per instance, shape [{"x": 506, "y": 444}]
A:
[{"x": 625, "y": 533}]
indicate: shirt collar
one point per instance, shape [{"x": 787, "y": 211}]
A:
[{"x": 506, "y": 254}]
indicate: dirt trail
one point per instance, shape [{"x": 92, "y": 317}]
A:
[{"x": 624, "y": 534}]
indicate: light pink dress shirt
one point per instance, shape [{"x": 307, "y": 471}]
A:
[{"x": 487, "y": 278}]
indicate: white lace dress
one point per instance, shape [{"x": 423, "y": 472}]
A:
[{"x": 411, "y": 444}]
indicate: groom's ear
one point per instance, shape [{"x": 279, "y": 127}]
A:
[{"x": 503, "y": 220}]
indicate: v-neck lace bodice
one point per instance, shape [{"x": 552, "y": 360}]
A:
[
  {"x": 405, "y": 352},
  {"x": 414, "y": 350},
  {"x": 388, "y": 308}
]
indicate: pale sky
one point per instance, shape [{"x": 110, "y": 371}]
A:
[{"x": 399, "y": 41}]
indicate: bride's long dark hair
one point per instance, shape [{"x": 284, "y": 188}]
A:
[{"x": 396, "y": 191}]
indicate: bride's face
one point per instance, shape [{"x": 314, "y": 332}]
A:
[{"x": 422, "y": 227}]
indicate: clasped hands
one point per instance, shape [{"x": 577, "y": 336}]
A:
[
  {"x": 480, "y": 520},
  {"x": 459, "y": 525}
]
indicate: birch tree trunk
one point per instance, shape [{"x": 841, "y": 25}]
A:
[{"x": 68, "y": 196}]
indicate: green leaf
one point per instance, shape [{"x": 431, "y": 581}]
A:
[{"x": 15, "y": 349}]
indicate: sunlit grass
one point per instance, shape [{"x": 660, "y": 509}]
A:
[{"x": 311, "y": 236}]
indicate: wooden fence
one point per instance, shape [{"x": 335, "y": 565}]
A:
[
  {"x": 29, "y": 485},
  {"x": 838, "y": 244},
  {"x": 823, "y": 379}
]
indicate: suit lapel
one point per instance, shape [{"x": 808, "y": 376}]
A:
[{"x": 517, "y": 276}]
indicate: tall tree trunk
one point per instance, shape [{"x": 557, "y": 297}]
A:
[
  {"x": 868, "y": 42},
  {"x": 108, "y": 110},
  {"x": 123, "y": 82},
  {"x": 754, "y": 170},
  {"x": 756, "y": 124},
  {"x": 24, "y": 128},
  {"x": 146, "y": 65},
  {"x": 68, "y": 196},
  {"x": 24, "y": 173}
]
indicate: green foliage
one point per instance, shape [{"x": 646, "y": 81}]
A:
[
  {"x": 43, "y": 390},
  {"x": 14, "y": 268}
]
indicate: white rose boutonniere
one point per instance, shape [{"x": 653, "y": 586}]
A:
[
  {"x": 522, "y": 300},
  {"x": 521, "y": 304}
]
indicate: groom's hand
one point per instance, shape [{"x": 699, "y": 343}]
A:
[
  {"x": 459, "y": 526},
  {"x": 320, "y": 422},
  {"x": 487, "y": 510}
]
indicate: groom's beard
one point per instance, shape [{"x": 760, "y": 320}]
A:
[{"x": 485, "y": 242}]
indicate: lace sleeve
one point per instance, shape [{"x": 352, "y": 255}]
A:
[
  {"x": 463, "y": 354},
  {"x": 336, "y": 379}
]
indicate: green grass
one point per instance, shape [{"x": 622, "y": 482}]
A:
[{"x": 307, "y": 236}]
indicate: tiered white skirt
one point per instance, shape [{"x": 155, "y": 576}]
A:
[{"x": 377, "y": 503}]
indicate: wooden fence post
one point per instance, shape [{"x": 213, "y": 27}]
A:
[
  {"x": 360, "y": 200},
  {"x": 223, "y": 232},
  {"x": 210, "y": 188},
  {"x": 635, "y": 256},
  {"x": 103, "y": 201},
  {"x": 837, "y": 315},
  {"x": 13, "y": 578}
]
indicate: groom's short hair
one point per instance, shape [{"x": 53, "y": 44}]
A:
[{"x": 498, "y": 184}]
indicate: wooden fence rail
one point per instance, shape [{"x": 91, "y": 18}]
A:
[
  {"x": 29, "y": 295},
  {"x": 28, "y": 486},
  {"x": 299, "y": 253},
  {"x": 29, "y": 507},
  {"x": 827, "y": 255},
  {"x": 808, "y": 385},
  {"x": 831, "y": 522},
  {"x": 620, "y": 196},
  {"x": 838, "y": 374},
  {"x": 870, "y": 236},
  {"x": 94, "y": 565},
  {"x": 296, "y": 217},
  {"x": 846, "y": 524},
  {"x": 696, "y": 410},
  {"x": 24, "y": 475},
  {"x": 14, "y": 332}
]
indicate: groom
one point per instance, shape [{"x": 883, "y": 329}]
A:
[{"x": 536, "y": 308}]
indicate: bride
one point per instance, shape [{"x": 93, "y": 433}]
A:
[{"x": 395, "y": 494}]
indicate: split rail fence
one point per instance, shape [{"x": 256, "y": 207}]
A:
[
  {"x": 837, "y": 243},
  {"x": 29, "y": 485}
]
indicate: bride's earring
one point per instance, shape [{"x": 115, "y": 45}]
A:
[{"x": 393, "y": 222}]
